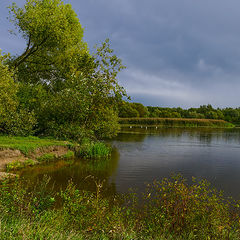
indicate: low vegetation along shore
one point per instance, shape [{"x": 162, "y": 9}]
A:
[
  {"x": 174, "y": 122},
  {"x": 170, "y": 209},
  {"x": 20, "y": 152}
]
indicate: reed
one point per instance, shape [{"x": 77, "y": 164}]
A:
[
  {"x": 93, "y": 150},
  {"x": 175, "y": 122}
]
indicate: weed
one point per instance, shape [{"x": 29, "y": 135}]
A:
[
  {"x": 69, "y": 154},
  {"x": 47, "y": 157},
  {"x": 169, "y": 209},
  {"x": 20, "y": 164}
]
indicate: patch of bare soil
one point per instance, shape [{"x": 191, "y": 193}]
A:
[
  {"x": 8, "y": 156},
  {"x": 58, "y": 151}
]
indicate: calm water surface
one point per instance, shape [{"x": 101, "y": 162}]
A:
[{"x": 141, "y": 156}]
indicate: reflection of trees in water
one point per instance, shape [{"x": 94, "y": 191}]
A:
[{"x": 83, "y": 173}]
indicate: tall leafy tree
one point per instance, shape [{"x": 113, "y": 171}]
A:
[
  {"x": 76, "y": 91},
  {"x": 54, "y": 42}
]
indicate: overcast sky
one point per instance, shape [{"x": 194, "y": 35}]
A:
[{"x": 178, "y": 52}]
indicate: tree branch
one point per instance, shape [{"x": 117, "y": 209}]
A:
[{"x": 28, "y": 52}]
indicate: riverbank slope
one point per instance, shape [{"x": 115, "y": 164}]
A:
[{"x": 19, "y": 152}]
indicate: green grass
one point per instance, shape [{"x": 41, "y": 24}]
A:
[
  {"x": 93, "y": 150},
  {"x": 28, "y": 144},
  {"x": 16, "y": 165},
  {"x": 174, "y": 122},
  {"x": 169, "y": 209},
  {"x": 47, "y": 157},
  {"x": 69, "y": 154}
]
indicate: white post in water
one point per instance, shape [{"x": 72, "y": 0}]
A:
[
  {"x": 146, "y": 127},
  {"x": 130, "y": 126}
]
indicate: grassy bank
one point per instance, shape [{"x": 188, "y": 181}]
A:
[
  {"x": 21, "y": 152},
  {"x": 170, "y": 209},
  {"x": 174, "y": 122},
  {"x": 29, "y": 144}
]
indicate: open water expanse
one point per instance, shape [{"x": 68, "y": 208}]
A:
[{"x": 141, "y": 156}]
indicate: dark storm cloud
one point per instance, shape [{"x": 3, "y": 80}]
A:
[{"x": 177, "y": 52}]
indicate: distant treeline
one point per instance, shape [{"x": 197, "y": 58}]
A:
[{"x": 131, "y": 110}]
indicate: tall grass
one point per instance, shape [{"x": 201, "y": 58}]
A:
[
  {"x": 175, "y": 122},
  {"x": 169, "y": 209},
  {"x": 93, "y": 150}
]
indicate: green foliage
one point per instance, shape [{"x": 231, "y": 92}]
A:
[
  {"x": 143, "y": 111},
  {"x": 169, "y": 209},
  {"x": 53, "y": 36},
  {"x": 60, "y": 89},
  {"x": 176, "y": 208},
  {"x": 14, "y": 119},
  {"x": 8, "y": 89},
  {"x": 47, "y": 157},
  {"x": 17, "y": 200},
  {"x": 128, "y": 110},
  {"x": 203, "y": 112},
  {"x": 69, "y": 154},
  {"x": 16, "y": 165},
  {"x": 93, "y": 150},
  {"x": 174, "y": 122}
]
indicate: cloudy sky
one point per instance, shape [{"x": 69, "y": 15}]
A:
[{"x": 178, "y": 52}]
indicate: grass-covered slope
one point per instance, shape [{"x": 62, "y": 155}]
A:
[{"x": 28, "y": 144}]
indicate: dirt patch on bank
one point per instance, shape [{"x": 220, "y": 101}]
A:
[
  {"x": 8, "y": 156},
  {"x": 58, "y": 151}
]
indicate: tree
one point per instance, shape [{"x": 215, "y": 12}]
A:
[
  {"x": 54, "y": 44},
  {"x": 8, "y": 89},
  {"x": 127, "y": 111},
  {"x": 13, "y": 119},
  {"x": 76, "y": 92},
  {"x": 142, "y": 110}
]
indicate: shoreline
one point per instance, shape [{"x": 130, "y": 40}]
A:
[{"x": 20, "y": 152}]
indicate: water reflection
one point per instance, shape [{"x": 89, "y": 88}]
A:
[
  {"x": 83, "y": 173},
  {"x": 142, "y": 155}
]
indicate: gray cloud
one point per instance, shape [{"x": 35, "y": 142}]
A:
[{"x": 178, "y": 53}]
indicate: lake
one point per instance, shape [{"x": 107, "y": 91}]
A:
[{"x": 142, "y": 155}]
